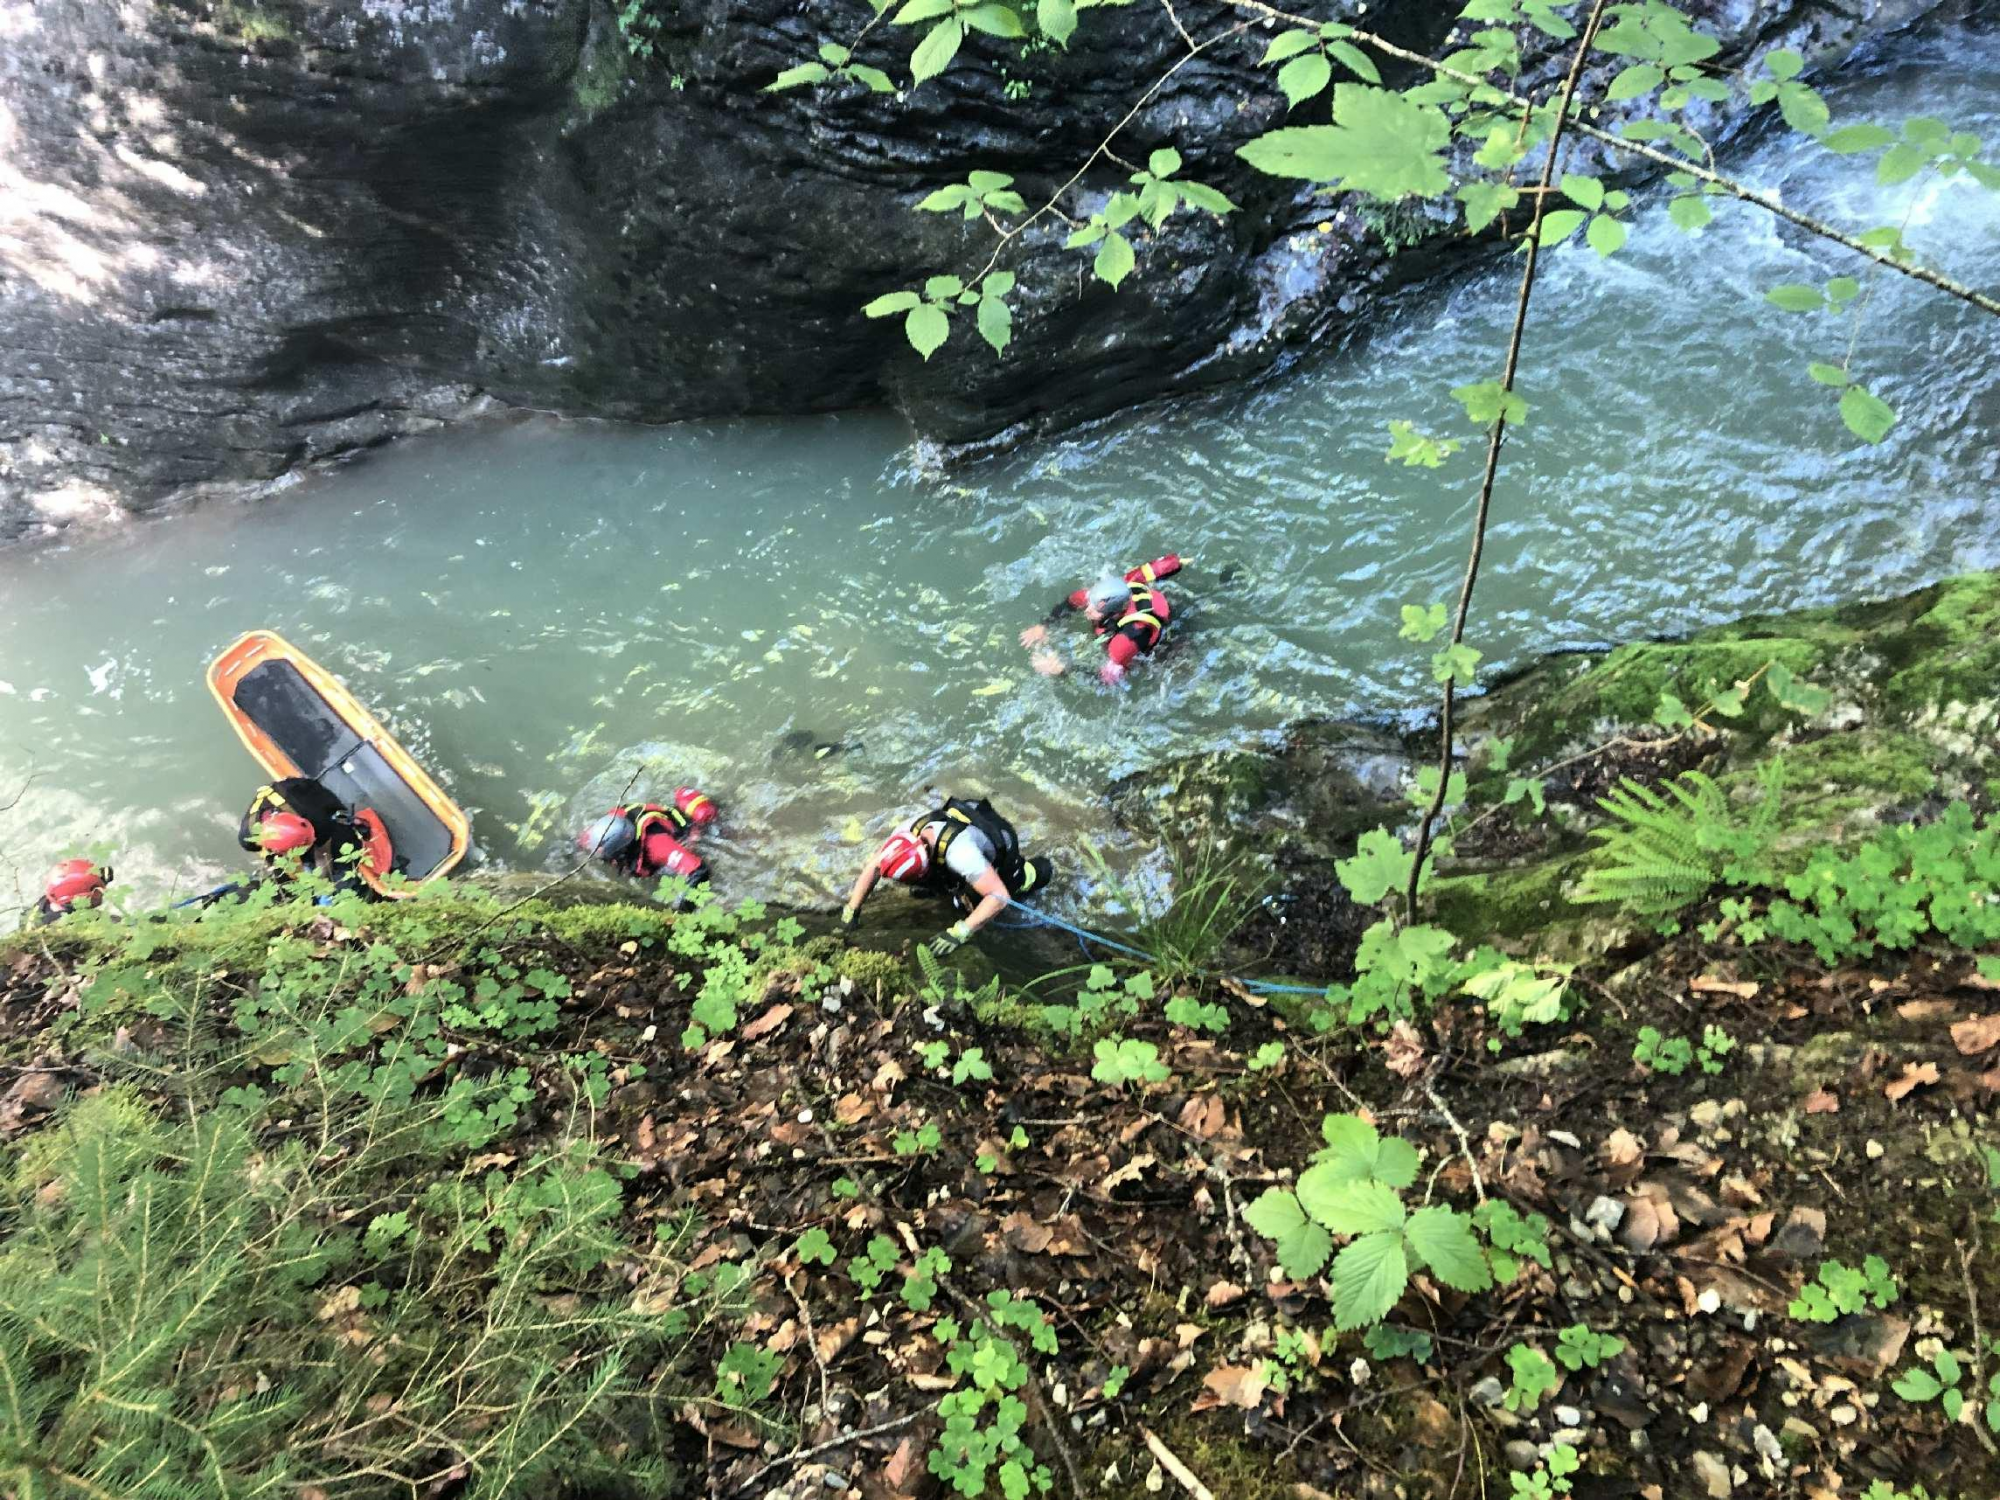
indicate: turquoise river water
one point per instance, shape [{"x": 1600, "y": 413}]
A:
[{"x": 540, "y": 609}]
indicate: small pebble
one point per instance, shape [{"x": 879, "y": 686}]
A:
[
  {"x": 1569, "y": 1416},
  {"x": 1709, "y": 1301},
  {"x": 1876, "y": 1150}
]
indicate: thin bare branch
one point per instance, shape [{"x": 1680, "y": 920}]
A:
[{"x": 1494, "y": 442}]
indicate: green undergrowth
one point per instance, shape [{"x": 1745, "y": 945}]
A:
[{"x": 336, "y": 1214}]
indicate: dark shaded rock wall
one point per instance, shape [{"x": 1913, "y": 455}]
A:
[{"x": 241, "y": 236}]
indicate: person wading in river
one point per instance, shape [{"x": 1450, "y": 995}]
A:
[
  {"x": 963, "y": 850},
  {"x": 1130, "y": 610},
  {"x": 75, "y": 883},
  {"x": 297, "y": 824},
  {"x": 648, "y": 839}
]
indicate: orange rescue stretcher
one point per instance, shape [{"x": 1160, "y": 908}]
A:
[{"x": 297, "y": 720}]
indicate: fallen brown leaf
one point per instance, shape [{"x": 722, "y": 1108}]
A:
[
  {"x": 1709, "y": 984},
  {"x": 1223, "y": 1293},
  {"x": 1203, "y": 1115},
  {"x": 901, "y": 1467},
  {"x": 1621, "y": 1148},
  {"x": 1025, "y": 1233},
  {"x": 1976, "y": 1034},
  {"x": 1403, "y": 1053},
  {"x": 1232, "y": 1385},
  {"x": 767, "y": 1023},
  {"x": 1915, "y": 1075},
  {"x": 1822, "y": 1102},
  {"x": 1926, "y": 1010},
  {"x": 1650, "y": 1220}
]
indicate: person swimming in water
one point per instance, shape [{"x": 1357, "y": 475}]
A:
[{"x": 1128, "y": 613}]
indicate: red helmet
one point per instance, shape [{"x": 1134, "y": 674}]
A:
[
  {"x": 283, "y": 832},
  {"x": 76, "y": 882},
  {"x": 904, "y": 857},
  {"x": 699, "y": 806}
]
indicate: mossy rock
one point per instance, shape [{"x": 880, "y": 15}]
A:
[
  {"x": 1928, "y": 663},
  {"x": 1318, "y": 788}
]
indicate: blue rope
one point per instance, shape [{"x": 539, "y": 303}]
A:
[{"x": 219, "y": 891}]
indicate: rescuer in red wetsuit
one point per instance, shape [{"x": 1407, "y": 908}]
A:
[
  {"x": 1132, "y": 611},
  {"x": 647, "y": 839},
  {"x": 76, "y": 883}
]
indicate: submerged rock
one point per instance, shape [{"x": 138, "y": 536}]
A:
[{"x": 252, "y": 235}]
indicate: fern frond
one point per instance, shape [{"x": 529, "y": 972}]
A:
[{"x": 1666, "y": 849}]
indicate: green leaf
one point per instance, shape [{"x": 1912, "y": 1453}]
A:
[
  {"x": 1485, "y": 403},
  {"x": 1349, "y": 1206},
  {"x": 833, "y": 54},
  {"x": 1355, "y": 61},
  {"x": 1784, "y": 63},
  {"x": 996, "y": 323},
  {"x": 1794, "y": 297},
  {"x": 1900, "y": 163},
  {"x": 1827, "y": 374},
  {"x": 1005, "y": 201},
  {"x": 1379, "y": 143},
  {"x": 1164, "y": 162},
  {"x": 1606, "y": 235},
  {"x": 1417, "y": 450},
  {"x": 1559, "y": 224},
  {"x": 1356, "y": 1151},
  {"x": 940, "y": 288},
  {"x": 994, "y": 20},
  {"x": 1368, "y": 1279},
  {"x": 891, "y": 302},
  {"x": 1380, "y": 864},
  {"x": 1057, "y": 19},
  {"x": 1442, "y": 1239},
  {"x": 1456, "y": 663},
  {"x": 926, "y": 328},
  {"x": 1502, "y": 149},
  {"x": 1852, "y": 138},
  {"x": 1421, "y": 623},
  {"x": 1842, "y": 290},
  {"x": 1797, "y": 697},
  {"x": 1304, "y": 76},
  {"x": 1690, "y": 212},
  {"x": 874, "y": 78},
  {"x": 1287, "y": 44},
  {"x": 814, "y": 1245},
  {"x": 1803, "y": 108},
  {"x": 1867, "y": 416},
  {"x": 1486, "y": 201},
  {"x": 1912, "y": 1385},
  {"x": 1302, "y": 1246},
  {"x": 921, "y": 10},
  {"x": 1584, "y": 192},
  {"x": 935, "y": 52},
  {"x": 792, "y": 78},
  {"x": 1640, "y": 78},
  {"x": 1205, "y": 197},
  {"x": 1114, "y": 260},
  {"x": 946, "y": 199}
]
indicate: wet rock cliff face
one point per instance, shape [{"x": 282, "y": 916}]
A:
[{"x": 240, "y": 236}]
